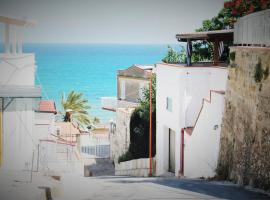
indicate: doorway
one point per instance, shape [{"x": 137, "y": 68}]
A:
[{"x": 171, "y": 151}]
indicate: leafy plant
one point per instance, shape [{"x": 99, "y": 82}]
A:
[
  {"x": 172, "y": 56},
  {"x": 232, "y": 56},
  {"x": 76, "y": 105},
  {"x": 139, "y": 125},
  {"x": 258, "y": 75},
  {"x": 125, "y": 157}
]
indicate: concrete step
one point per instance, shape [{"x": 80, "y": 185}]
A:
[{"x": 101, "y": 167}]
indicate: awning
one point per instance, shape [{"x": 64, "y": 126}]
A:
[
  {"x": 220, "y": 35},
  {"x": 15, "y": 91}
]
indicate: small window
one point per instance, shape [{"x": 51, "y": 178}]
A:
[{"x": 169, "y": 104}]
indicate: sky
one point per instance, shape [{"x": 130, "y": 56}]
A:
[{"x": 109, "y": 21}]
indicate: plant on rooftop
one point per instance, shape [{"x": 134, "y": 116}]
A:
[
  {"x": 225, "y": 19},
  {"x": 75, "y": 105},
  {"x": 172, "y": 56}
]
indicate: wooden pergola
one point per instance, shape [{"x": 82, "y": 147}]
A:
[{"x": 211, "y": 36}]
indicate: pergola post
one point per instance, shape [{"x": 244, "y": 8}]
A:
[
  {"x": 189, "y": 52},
  {"x": 216, "y": 54}
]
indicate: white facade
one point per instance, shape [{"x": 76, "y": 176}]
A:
[
  {"x": 44, "y": 124},
  {"x": 19, "y": 96},
  {"x": 185, "y": 88}
]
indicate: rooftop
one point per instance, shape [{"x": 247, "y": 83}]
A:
[{"x": 47, "y": 106}]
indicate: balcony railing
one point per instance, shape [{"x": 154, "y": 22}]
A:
[
  {"x": 112, "y": 103},
  {"x": 253, "y": 29}
]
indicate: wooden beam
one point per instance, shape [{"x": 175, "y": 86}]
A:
[
  {"x": 216, "y": 55},
  {"x": 16, "y": 22}
]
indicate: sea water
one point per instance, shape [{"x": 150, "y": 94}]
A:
[{"x": 88, "y": 68}]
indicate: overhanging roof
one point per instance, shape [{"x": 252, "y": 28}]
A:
[
  {"x": 220, "y": 35},
  {"x": 17, "y": 22},
  {"x": 20, "y": 91}
]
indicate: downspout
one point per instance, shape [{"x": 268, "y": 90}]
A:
[{"x": 181, "y": 171}]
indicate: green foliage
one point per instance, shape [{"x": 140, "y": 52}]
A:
[
  {"x": 202, "y": 51},
  {"x": 139, "y": 126},
  {"x": 266, "y": 73},
  {"x": 125, "y": 157},
  {"x": 78, "y": 106},
  {"x": 232, "y": 56},
  {"x": 258, "y": 75},
  {"x": 172, "y": 56}
]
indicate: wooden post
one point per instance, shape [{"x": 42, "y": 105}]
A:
[
  {"x": 216, "y": 55},
  {"x": 189, "y": 52}
]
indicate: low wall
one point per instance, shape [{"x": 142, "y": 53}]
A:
[{"x": 138, "y": 167}]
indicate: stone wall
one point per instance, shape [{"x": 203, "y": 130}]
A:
[
  {"x": 120, "y": 138},
  {"x": 245, "y": 135},
  {"x": 137, "y": 167}
]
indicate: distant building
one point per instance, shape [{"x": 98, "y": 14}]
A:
[
  {"x": 131, "y": 83},
  {"x": 45, "y": 119},
  {"x": 190, "y": 103}
]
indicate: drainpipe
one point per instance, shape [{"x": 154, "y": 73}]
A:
[{"x": 181, "y": 171}]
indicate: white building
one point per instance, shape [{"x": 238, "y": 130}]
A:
[
  {"x": 45, "y": 119},
  {"x": 18, "y": 99},
  {"x": 190, "y": 102}
]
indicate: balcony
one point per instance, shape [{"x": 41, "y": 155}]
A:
[{"x": 112, "y": 103}]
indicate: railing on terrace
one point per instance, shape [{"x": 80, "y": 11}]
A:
[
  {"x": 112, "y": 103},
  {"x": 253, "y": 29}
]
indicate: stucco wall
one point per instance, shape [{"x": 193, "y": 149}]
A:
[
  {"x": 186, "y": 86},
  {"x": 245, "y": 137},
  {"x": 202, "y": 147}
]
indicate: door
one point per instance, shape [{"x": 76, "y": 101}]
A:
[{"x": 171, "y": 151}]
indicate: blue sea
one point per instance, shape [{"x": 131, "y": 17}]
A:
[{"x": 88, "y": 68}]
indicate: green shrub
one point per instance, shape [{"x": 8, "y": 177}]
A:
[
  {"x": 259, "y": 72},
  {"x": 266, "y": 73},
  {"x": 125, "y": 157},
  {"x": 232, "y": 56},
  {"x": 172, "y": 56}
]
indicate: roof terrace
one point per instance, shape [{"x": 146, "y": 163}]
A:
[{"x": 215, "y": 37}]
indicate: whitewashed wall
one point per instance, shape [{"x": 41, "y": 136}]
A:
[
  {"x": 44, "y": 125},
  {"x": 19, "y": 138},
  {"x": 186, "y": 86},
  {"x": 19, "y": 141},
  {"x": 17, "y": 69},
  {"x": 168, "y": 85},
  {"x": 202, "y": 147}
]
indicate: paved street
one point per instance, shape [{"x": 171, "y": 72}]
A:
[{"x": 123, "y": 188}]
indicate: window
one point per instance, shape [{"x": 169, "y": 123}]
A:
[{"x": 169, "y": 104}]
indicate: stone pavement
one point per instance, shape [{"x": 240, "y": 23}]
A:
[
  {"x": 76, "y": 187},
  {"x": 124, "y": 188}
]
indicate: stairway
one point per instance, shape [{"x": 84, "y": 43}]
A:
[{"x": 101, "y": 167}]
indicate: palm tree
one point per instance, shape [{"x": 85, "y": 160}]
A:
[{"x": 76, "y": 105}]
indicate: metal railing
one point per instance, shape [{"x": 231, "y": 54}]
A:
[{"x": 253, "y": 29}]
